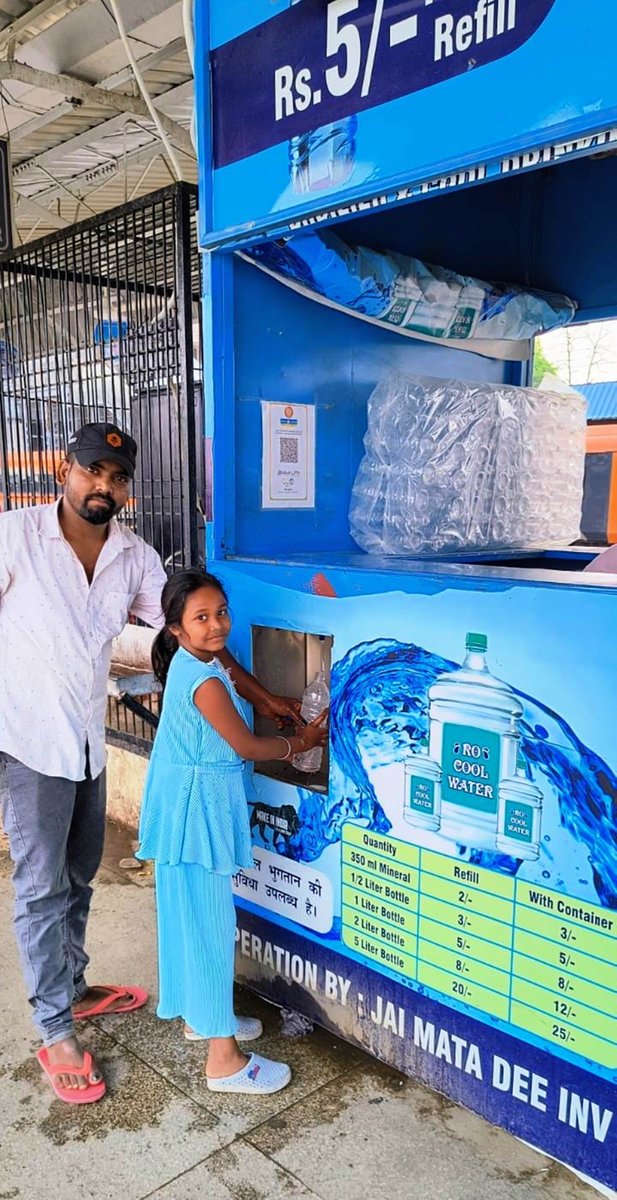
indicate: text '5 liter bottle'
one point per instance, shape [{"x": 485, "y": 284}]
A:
[{"x": 474, "y": 736}]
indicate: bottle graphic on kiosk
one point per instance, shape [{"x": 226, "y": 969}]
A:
[
  {"x": 325, "y": 157},
  {"x": 422, "y": 807},
  {"x": 474, "y": 737},
  {"x": 519, "y": 815}
]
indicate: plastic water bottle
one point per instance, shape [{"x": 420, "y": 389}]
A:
[
  {"x": 520, "y": 815},
  {"x": 422, "y": 807},
  {"x": 324, "y": 157},
  {"x": 474, "y": 735},
  {"x": 316, "y": 697}
]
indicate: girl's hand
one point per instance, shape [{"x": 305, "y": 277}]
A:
[
  {"x": 280, "y": 709},
  {"x": 314, "y": 734},
  {"x": 214, "y": 702}
]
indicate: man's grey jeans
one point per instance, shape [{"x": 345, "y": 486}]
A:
[{"x": 56, "y": 830}]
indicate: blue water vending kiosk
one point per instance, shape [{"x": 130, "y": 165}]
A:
[{"x": 442, "y": 889}]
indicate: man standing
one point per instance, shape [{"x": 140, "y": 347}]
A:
[{"x": 69, "y": 577}]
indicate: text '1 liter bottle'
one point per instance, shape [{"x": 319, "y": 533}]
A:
[{"x": 474, "y": 735}]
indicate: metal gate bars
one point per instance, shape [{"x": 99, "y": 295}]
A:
[{"x": 101, "y": 322}]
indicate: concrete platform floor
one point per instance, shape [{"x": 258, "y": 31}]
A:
[{"x": 345, "y": 1129}]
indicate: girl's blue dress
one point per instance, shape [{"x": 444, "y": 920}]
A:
[
  {"x": 195, "y": 826},
  {"x": 194, "y": 808}
]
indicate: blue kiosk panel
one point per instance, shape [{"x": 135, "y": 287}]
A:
[
  {"x": 448, "y": 899},
  {"x": 479, "y": 955},
  {"x": 306, "y": 105}
]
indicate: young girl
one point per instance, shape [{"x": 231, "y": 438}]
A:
[{"x": 194, "y": 825}]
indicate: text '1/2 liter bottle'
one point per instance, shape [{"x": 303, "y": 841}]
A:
[
  {"x": 422, "y": 807},
  {"x": 519, "y": 815},
  {"x": 474, "y": 735}
]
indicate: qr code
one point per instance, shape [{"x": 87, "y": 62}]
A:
[{"x": 289, "y": 449}]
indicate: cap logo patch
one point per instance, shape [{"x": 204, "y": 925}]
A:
[{"x": 113, "y": 439}]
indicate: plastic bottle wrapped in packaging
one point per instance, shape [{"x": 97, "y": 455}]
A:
[
  {"x": 453, "y": 467},
  {"x": 413, "y": 297}
]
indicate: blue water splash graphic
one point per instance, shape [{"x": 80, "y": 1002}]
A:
[{"x": 380, "y": 709}]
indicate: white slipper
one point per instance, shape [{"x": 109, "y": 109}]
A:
[
  {"x": 260, "y": 1077},
  {"x": 249, "y": 1029}
]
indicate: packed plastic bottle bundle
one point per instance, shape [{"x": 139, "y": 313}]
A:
[
  {"x": 453, "y": 467},
  {"x": 406, "y": 294}
]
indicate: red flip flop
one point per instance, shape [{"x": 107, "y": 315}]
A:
[
  {"x": 135, "y": 997},
  {"x": 88, "y": 1095}
]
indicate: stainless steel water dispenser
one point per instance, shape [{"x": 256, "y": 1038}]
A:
[{"x": 284, "y": 660}]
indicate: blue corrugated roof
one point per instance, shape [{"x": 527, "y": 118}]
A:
[{"x": 601, "y": 400}]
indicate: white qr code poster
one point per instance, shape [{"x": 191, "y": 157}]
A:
[{"x": 288, "y": 460}]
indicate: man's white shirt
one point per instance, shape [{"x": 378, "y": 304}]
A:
[{"x": 56, "y": 631}]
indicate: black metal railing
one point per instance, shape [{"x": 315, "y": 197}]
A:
[
  {"x": 128, "y": 727},
  {"x": 101, "y": 322}
]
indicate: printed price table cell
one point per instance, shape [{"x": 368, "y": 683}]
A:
[
  {"x": 372, "y": 927},
  {"x": 469, "y": 969},
  {"x": 565, "y": 985},
  {"x": 562, "y": 1009},
  {"x": 564, "y": 933},
  {"x": 379, "y": 844},
  {"x": 370, "y": 885},
  {"x": 386, "y": 956},
  {"x": 558, "y": 1031},
  {"x": 569, "y": 959},
  {"x": 465, "y": 921},
  {"x": 575, "y": 912},
  {"x": 466, "y": 875},
  {"x": 458, "y": 989},
  {"x": 382, "y": 869},
  {"x": 464, "y": 898},
  {"x": 405, "y": 919},
  {"x": 465, "y": 943}
]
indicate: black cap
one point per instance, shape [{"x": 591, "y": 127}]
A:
[{"x": 99, "y": 440}]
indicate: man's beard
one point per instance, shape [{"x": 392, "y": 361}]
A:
[{"x": 99, "y": 515}]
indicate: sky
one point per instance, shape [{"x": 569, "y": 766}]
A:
[{"x": 583, "y": 354}]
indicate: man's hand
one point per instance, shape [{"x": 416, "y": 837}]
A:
[{"x": 280, "y": 709}]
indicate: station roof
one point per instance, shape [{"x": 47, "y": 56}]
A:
[
  {"x": 81, "y": 138},
  {"x": 601, "y": 400}
]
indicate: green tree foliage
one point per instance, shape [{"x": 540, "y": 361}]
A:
[{"x": 541, "y": 364}]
